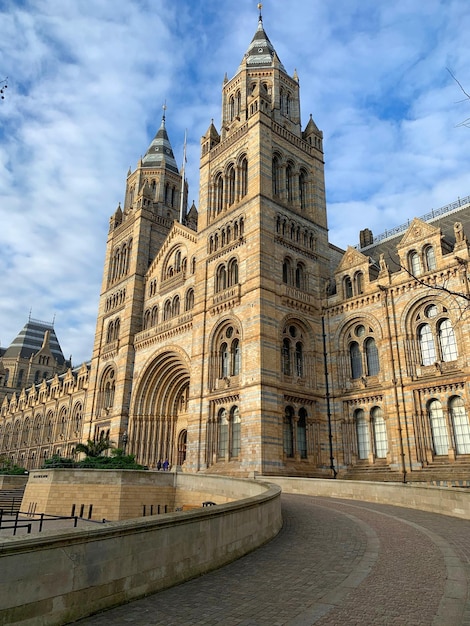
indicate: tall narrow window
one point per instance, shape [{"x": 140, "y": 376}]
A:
[
  {"x": 372, "y": 357},
  {"x": 235, "y": 438},
  {"x": 303, "y": 190},
  {"x": 362, "y": 431},
  {"x": 286, "y": 358},
  {"x": 223, "y": 432},
  {"x": 355, "y": 359},
  {"x": 299, "y": 360},
  {"x": 426, "y": 344},
  {"x": 299, "y": 276},
  {"x": 289, "y": 183},
  {"x": 224, "y": 360},
  {"x": 359, "y": 280},
  {"x": 438, "y": 428},
  {"x": 219, "y": 193},
  {"x": 235, "y": 350},
  {"x": 430, "y": 257},
  {"x": 232, "y": 272},
  {"x": 288, "y": 432},
  {"x": 348, "y": 290},
  {"x": 447, "y": 343},
  {"x": 302, "y": 434},
  {"x": 276, "y": 176},
  {"x": 380, "y": 432},
  {"x": 286, "y": 272},
  {"x": 460, "y": 425},
  {"x": 414, "y": 263},
  {"x": 244, "y": 177},
  {"x": 231, "y": 185}
]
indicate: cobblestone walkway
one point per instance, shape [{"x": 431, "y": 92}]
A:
[{"x": 335, "y": 563}]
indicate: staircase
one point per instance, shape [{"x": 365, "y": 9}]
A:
[{"x": 10, "y": 500}]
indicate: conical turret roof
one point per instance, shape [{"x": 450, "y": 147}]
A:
[
  {"x": 160, "y": 152},
  {"x": 261, "y": 52}
]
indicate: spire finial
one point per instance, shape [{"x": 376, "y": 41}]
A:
[
  {"x": 260, "y": 6},
  {"x": 164, "y": 110}
]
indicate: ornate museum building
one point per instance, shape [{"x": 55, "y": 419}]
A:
[{"x": 234, "y": 338}]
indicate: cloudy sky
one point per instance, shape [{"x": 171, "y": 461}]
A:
[{"x": 86, "y": 84}]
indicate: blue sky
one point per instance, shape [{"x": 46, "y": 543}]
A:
[{"x": 86, "y": 84}]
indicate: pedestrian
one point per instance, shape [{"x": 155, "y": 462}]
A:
[
  {"x": 159, "y": 465},
  {"x": 166, "y": 465}
]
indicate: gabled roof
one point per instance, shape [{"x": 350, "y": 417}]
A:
[
  {"x": 160, "y": 152},
  {"x": 30, "y": 340}
]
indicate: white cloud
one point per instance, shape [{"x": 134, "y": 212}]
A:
[{"x": 87, "y": 81}]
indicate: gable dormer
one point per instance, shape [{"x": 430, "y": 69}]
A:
[
  {"x": 420, "y": 249},
  {"x": 352, "y": 274}
]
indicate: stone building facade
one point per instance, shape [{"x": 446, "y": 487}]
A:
[{"x": 236, "y": 338}]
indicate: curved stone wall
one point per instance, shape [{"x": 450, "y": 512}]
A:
[{"x": 56, "y": 578}]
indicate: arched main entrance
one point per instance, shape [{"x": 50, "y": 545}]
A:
[{"x": 159, "y": 410}]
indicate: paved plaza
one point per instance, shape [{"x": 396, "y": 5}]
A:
[{"x": 335, "y": 563}]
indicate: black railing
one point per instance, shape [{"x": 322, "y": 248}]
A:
[{"x": 27, "y": 520}]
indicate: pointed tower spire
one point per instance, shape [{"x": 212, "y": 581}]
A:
[
  {"x": 160, "y": 151},
  {"x": 261, "y": 52}
]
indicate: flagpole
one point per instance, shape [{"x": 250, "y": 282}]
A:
[{"x": 182, "y": 179}]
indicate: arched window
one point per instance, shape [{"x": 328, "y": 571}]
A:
[
  {"x": 414, "y": 263},
  {"x": 290, "y": 182},
  {"x": 167, "y": 311},
  {"x": 299, "y": 359},
  {"x": 302, "y": 434},
  {"x": 372, "y": 357},
  {"x": 221, "y": 279},
  {"x": 235, "y": 434},
  {"x": 460, "y": 425},
  {"x": 438, "y": 428},
  {"x": 231, "y": 185},
  {"x": 359, "y": 283},
  {"x": 227, "y": 351},
  {"x": 235, "y": 357},
  {"x": 224, "y": 360},
  {"x": 232, "y": 272},
  {"x": 244, "y": 177},
  {"x": 380, "y": 432},
  {"x": 154, "y": 316},
  {"x": 430, "y": 258},
  {"x": 362, "y": 432},
  {"x": 189, "y": 301},
  {"x": 276, "y": 176},
  {"x": 232, "y": 108},
  {"x": 447, "y": 343},
  {"x": 26, "y": 432},
  {"x": 286, "y": 357},
  {"x": 303, "y": 189},
  {"x": 347, "y": 285},
  {"x": 426, "y": 345},
  {"x": 355, "y": 360},
  {"x": 77, "y": 419},
  {"x": 223, "y": 432},
  {"x": 175, "y": 306},
  {"x": 219, "y": 193},
  {"x": 300, "y": 276},
  {"x": 286, "y": 272},
  {"x": 289, "y": 432}
]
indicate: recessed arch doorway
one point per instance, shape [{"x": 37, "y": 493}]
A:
[{"x": 158, "y": 410}]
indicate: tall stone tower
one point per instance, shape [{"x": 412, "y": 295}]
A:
[
  {"x": 136, "y": 232},
  {"x": 256, "y": 378}
]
